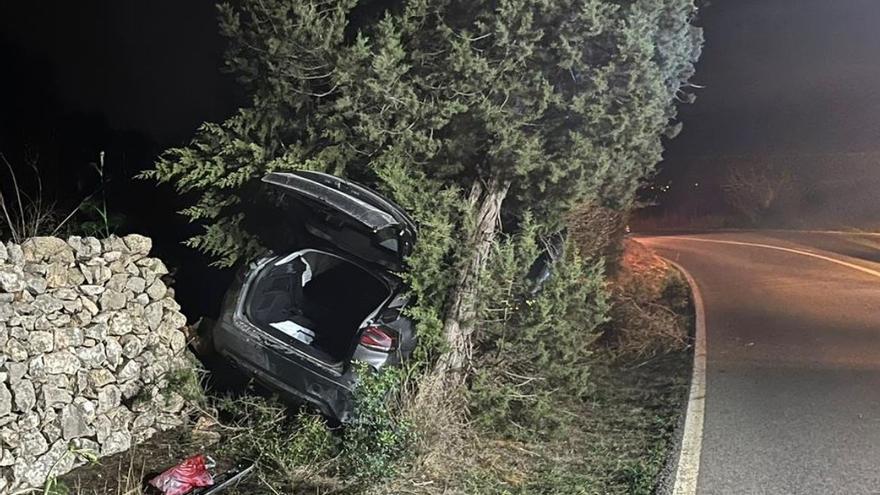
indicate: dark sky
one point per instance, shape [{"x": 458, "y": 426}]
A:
[
  {"x": 785, "y": 76},
  {"x": 780, "y": 75},
  {"x": 145, "y": 66}
]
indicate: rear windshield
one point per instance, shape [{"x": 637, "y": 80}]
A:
[{"x": 285, "y": 223}]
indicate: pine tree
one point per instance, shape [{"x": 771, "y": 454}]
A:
[{"x": 468, "y": 113}]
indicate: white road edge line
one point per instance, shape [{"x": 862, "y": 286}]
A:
[
  {"x": 688, "y": 469},
  {"x": 860, "y": 268}
]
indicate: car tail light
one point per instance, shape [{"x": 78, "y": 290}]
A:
[{"x": 378, "y": 339}]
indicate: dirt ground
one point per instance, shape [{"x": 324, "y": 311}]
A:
[{"x": 126, "y": 473}]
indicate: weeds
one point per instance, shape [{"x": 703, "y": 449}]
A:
[
  {"x": 99, "y": 220},
  {"x": 289, "y": 450},
  {"x": 533, "y": 350},
  {"x": 128, "y": 481},
  {"x": 650, "y": 307},
  {"x": 28, "y": 215},
  {"x": 187, "y": 383},
  {"x": 25, "y": 215}
]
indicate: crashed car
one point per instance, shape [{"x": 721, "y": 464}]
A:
[{"x": 298, "y": 320}]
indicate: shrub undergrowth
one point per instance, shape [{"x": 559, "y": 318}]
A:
[{"x": 533, "y": 350}]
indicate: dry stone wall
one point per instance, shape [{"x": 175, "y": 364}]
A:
[{"x": 89, "y": 337}]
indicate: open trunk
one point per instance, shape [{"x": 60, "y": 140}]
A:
[{"x": 315, "y": 301}]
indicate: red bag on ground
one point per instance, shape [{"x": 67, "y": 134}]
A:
[{"x": 189, "y": 474}]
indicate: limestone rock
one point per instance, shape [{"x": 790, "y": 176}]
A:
[
  {"x": 118, "y": 441},
  {"x": 14, "y": 254},
  {"x": 121, "y": 323},
  {"x": 92, "y": 357},
  {"x": 100, "y": 377},
  {"x": 67, "y": 337},
  {"x": 11, "y": 279},
  {"x": 47, "y": 303},
  {"x": 85, "y": 327},
  {"x": 130, "y": 371},
  {"x": 55, "y": 397},
  {"x": 75, "y": 422},
  {"x": 62, "y": 361},
  {"x": 109, "y": 398},
  {"x": 5, "y": 399},
  {"x": 51, "y": 249},
  {"x": 157, "y": 290},
  {"x": 138, "y": 244},
  {"x": 40, "y": 343},
  {"x": 33, "y": 443},
  {"x": 131, "y": 346},
  {"x": 35, "y": 283},
  {"x": 15, "y": 350},
  {"x": 113, "y": 351},
  {"x": 112, "y": 299},
  {"x": 24, "y": 395}
]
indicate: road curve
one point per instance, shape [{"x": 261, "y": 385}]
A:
[{"x": 792, "y": 402}]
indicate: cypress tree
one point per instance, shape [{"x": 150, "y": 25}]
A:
[{"x": 468, "y": 113}]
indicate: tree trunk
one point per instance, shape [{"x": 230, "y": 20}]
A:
[{"x": 459, "y": 319}]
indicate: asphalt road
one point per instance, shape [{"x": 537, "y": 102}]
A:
[{"x": 792, "y": 402}]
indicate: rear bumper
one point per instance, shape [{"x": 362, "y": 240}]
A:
[{"x": 281, "y": 368}]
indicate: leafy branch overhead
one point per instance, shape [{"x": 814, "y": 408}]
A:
[{"x": 563, "y": 101}]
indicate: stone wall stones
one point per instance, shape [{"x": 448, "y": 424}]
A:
[{"x": 89, "y": 333}]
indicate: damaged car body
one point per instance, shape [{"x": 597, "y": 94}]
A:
[{"x": 299, "y": 319}]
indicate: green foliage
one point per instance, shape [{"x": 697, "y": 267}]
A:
[
  {"x": 556, "y": 102},
  {"x": 564, "y": 100},
  {"x": 98, "y": 220},
  {"x": 616, "y": 445},
  {"x": 289, "y": 448},
  {"x": 26, "y": 211},
  {"x": 676, "y": 293},
  {"x": 435, "y": 208},
  {"x": 186, "y": 382},
  {"x": 376, "y": 441},
  {"x": 533, "y": 351},
  {"x": 55, "y": 487},
  {"x": 282, "y": 445}
]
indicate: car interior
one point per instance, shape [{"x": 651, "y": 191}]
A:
[{"x": 317, "y": 299}]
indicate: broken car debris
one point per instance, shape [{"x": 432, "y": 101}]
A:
[{"x": 193, "y": 477}]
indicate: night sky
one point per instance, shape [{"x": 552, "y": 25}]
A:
[
  {"x": 148, "y": 67},
  {"x": 785, "y": 76}
]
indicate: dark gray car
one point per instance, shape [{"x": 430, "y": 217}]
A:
[{"x": 298, "y": 320}]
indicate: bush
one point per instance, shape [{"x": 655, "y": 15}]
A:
[
  {"x": 27, "y": 212},
  {"x": 376, "y": 441},
  {"x": 532, "y": 351},
  {"x": 287, "y": 449},
  {"x": 650, "y": 306},
  {"x": 186, "y": 382},
  {"x": 598, "y": 232}
]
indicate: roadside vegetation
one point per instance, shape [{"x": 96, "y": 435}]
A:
[
  {"x": 610, "y": 434},
  {"x": 499, "y": 127},
  {"x": 28, "y": 210}
]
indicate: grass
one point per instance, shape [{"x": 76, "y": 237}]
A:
[
  {"x": 650, "y": 305},
  {"x": 617, "y": 443}
]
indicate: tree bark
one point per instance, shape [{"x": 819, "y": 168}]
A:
[{"x": 449, "y": 372}]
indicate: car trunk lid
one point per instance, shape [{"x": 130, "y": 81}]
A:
[{"x": 350, "y": 216}]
